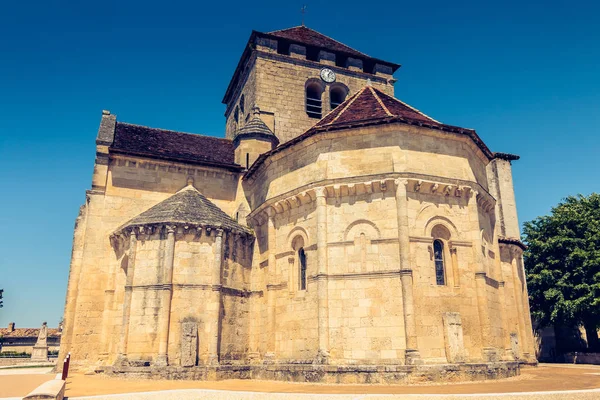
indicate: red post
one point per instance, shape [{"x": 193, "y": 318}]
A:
[{"x": 65, "y": 371}]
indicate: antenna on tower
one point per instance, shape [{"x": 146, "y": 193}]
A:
[{"x": 303, "y": 11}]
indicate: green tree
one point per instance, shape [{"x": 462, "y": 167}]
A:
[{"x": 562, "y": 263}]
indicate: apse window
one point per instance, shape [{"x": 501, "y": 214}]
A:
[
  {"x": 438, "y": 255},
  {"x": 302, "y": 262}
]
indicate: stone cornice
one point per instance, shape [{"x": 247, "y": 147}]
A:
[
  {"x": 189, "y": 169},
  {"x": 506, "y": 156},
  {"x": 145, "y": 231},
  {"x": 338, "y": 188},
  {"x": 512, "y": 241}
]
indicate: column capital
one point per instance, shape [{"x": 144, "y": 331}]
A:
[
  {"x": 321, "y": 192},
  {"x": 171, "y": 229},
  {"x": 219, "y": 233},
  {"x": 401, "y": 182}
]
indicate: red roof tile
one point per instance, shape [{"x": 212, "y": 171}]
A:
[
  {"x": 161, "y": 143},
  {"x": 302, "y": 34},
  {"x": 370, "y": 104}
]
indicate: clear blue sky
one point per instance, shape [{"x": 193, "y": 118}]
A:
[{"x": 523, "y": 74}]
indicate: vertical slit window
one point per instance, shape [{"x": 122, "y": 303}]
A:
[
  {"x": 302, "y": 262},
  {"x": 438, "y": 255},
  {"x": 247, "y": 160}
]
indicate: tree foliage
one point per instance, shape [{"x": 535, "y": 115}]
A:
[{"x": 562, "y": 263}]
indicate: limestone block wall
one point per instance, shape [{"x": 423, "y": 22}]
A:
[
  {"x": 236, "y": 297},
  {"x": 365, "y": 323},
  {"x": 369, "y": 151},
  {"x": 192, "y": 298},
  {"x": 93, "y": 310},
  {"x": 296, "y": 310},
  {"x": 276, "y": 83},
  {"x": 138, "y": 178},
  {"x": 248, "y": 93}
]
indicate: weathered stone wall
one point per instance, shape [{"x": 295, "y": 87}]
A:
[
  {"x": 249, "y": 149},
  {"x": 93, "y": 311},
  {"x": 276, "y": 83},
  {"x": 362, "y": 246},
  {"x": 369, "y": 151}
]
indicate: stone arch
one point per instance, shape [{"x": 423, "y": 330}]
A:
[
  {"x": 439, "y": 220},
  {"x": 338, "y": 92},
  {"x": 313, "y": 97},
  {"x": 366, "y": 225},
  {"x": 440, "y": 231},
  {"x": 294, "y": 233}
]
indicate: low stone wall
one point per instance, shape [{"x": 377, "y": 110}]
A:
[
  {"x": 13, "y": 361},
  {"x": 7, "y": 362},
  {"x": 582, "y": 358},
  {"x": 355, "y": 374}
]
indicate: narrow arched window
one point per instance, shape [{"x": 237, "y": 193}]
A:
[
  {"x": 242, "y": 104},
  {"x": 314, "y": 107},
  {"x": 438, "y": 255},
  {"x": 302, "y": 262},
  {"x": 236, "y": 115},
  {"x": 247, "y": 160},
  {"x": 337, "y": 95}
]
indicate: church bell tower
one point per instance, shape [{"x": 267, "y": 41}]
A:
[{"x": 295, "y": 77}]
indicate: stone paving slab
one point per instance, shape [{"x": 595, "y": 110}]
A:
[{"x": 199, "y": 394}]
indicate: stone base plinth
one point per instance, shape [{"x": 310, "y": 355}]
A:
[
  {"x": 39, "y": 353},
  {"x": 381, "y": 374}
]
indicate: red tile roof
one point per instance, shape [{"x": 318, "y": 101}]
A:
[
  {"x": 27, "y": 332},
  {"x": 307, "y": 36},
  {"x": 370, "y": 103},
  {"x": 370, "y": 106},
  {"x": 172, "y": 145}
]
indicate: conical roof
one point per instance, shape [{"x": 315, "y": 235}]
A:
[
  {"x": 255, "y": 128},
  {"x": 188, "y": 206},
  {"x": 255, "y": 125}
]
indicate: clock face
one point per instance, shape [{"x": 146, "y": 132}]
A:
[{"x": 327, "y": 75}]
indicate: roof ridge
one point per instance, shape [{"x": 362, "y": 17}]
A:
[
  {"x": 409, "y": 106},
  {"x": 171, "y": 130},
  {"x": 322, "y": 34},
  {"x": 337, "y": 41},
  {"x": 287, "y": 29},
  {"x": 350, "y": 101},
  {"x": 380, "y": 102}
]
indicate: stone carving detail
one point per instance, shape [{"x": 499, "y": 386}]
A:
[
  {"x": 453, "y": 337},
  {"x": 189, "y": 344},
  {"x": 40, "y": 350}
]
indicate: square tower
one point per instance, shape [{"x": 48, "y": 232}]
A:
[{"x": 296, "y": 76}]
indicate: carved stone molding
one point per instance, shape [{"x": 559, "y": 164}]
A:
[
  {"x": 352, "y": 187},
  {"x": 203, "y": 172}
]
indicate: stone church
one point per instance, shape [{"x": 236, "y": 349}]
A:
[{"x": 335, "y": 234}]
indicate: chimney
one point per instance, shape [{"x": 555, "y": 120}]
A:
[{"x": 11, "y": 327}]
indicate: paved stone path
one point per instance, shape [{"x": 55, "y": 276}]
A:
[
  {"x": 17, "y": 382},
  {"x": 551, "y": 382}
]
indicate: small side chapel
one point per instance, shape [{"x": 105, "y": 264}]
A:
[{"x": 334, "y": 234}]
